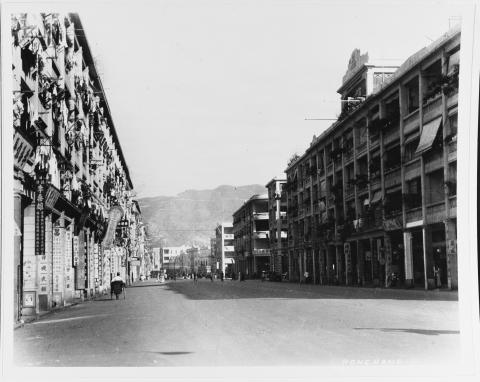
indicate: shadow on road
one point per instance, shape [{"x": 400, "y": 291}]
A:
[
  {"x": 170, "y": 352},
  {"x": 426, "y": 332},
  {"x": 252, "y": 289}
]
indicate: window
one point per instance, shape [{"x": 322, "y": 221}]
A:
[
  {"x": 433, "y": 86},
  {"x": 452, "y": 179},
  {"x": 413, "y": 97},
  {"x": 435, "y": 187}
]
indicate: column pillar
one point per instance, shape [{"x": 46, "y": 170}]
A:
[
  {"x": 387, "y": 244},
  {"x": 348, "y": 263},
  {"x": 17, "y": 253},
  {"x": 407, "y": 244},
  {"x": 361, "y": 261},
  {"x": 452, "y": 259}
]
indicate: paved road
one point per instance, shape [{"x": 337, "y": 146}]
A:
[{"x": 248, "y": 323}]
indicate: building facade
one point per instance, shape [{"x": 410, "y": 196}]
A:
[
  {"x": 278, "y": 226},
  {"x": 73, "y": 203},
  {"x": 373, "y": 199},
  {"x": 251, "y": 237},
  {"x": 224, "y": 249}
]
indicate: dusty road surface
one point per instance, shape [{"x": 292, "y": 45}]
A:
[{"x": 231, "y": 323}]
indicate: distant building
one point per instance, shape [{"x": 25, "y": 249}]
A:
[
  {"x": 200, "y": 260},
  {"x": 172, "y": 257},
  {"x": 224, "y": 249},
  {"x": 277, "y": 219},
  {"x": 251, "y": 237}
]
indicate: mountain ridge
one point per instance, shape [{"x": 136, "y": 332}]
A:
[{"x": 191, "y": 216}]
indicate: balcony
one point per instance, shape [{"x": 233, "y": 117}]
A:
[
  {"x": 453, "y": 206},
  {"x": 260, "y": 215},
  {"x": 375, "y": 182},
  {"x": 307, "y": 181},
  {"x": 349, "y": 156},
  {"x": 434, "y": 163},
  {"x": 414, "y": 215},
  {"x": 432, "y": 109},
  {"x": 391, "y": 135},
  {"x": 412, "y": 170},
  {"x": 228, "y": 236},
  {"x": 393, "y": 178},
  {"x": 452, "y": 150},
  {"x": 436, "y": 213},
  {"x": 329, "y": 167},
  {"x": 361, "y": 148},
  {"x": 410, "y": 122},
  {"x": 452, "y": 100},
  {"x": 349, "y": 190}
]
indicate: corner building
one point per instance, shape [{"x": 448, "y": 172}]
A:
[
  {"x": 372, "y": 201},
  {"x": 251, "y": 242},
  {"x": 73, "y": 208}
]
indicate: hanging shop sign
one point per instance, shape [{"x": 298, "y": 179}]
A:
[
  {"x": 51, "y": 197},
  {"x": 348, "y": 262},
  {"x": 114, "y": 216}
]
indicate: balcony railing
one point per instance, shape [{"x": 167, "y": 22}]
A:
[
  {"x": 361, "y": 147},
  {"x": 348, "y": 155},
  {"x": 260, "y": 235},
  {"x": 260, "y": 215},
  {"x": 261, "y": 252},
  {"x": 412, "y": 170},
  {"x": 414, "y": 215},
  {"x": 436, "y": 213},
  {"x": 453, "y": 206},
  {"x": 393, "y": 178},
  {"x": 434, "y": 163},
  {"x": 452, "y": 150},
  {"x": 432, "y": 109},
  {"x": 410, "y": 122}
]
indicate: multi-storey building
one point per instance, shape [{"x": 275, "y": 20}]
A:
[
  {"x": 174, "y": 258},
  {"x": 72, "y": 184},
  {"x": 251, "y": 242},
  {"x": 224, "y": 248},
  {"x": 277, "y": 221},
  {"x": 373, "y": 199}
]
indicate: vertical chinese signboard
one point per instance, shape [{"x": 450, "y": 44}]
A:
[
  {"x": 40, "y": 219},
  {"x": 58, "y": 263},
  {"x": 80, "y": 261},
  {"x": 69, "y": 276}
]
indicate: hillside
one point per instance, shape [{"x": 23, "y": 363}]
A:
[{"x": 191, "y": 216}]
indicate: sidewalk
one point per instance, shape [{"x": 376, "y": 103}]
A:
[{"x": 344, "y": 291}]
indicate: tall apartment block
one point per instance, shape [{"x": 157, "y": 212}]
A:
[
  {"x": 278, "y": 224},
  {"x": 224, "y": 248},
  {"x": 372, "y": 201},
  {"x": 74, "y": 214},
  {"x": 251, "y": 237}
]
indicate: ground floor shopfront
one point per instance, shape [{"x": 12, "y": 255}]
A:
[
  {"x": 59, "y": 257},
  {"x": 420, "y": 256},
  {"x": 252, "y": 266}
]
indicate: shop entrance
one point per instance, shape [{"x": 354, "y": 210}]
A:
[
  {"x": 417, "y": 256},
  {"x": 439, "y": 256}
]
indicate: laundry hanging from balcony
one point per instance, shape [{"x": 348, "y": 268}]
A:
[{"x": 429, "y": 133}]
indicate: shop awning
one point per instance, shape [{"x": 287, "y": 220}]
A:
[
  {"x": 377, "y": 196},
  {"x": 429, "y": 132}
]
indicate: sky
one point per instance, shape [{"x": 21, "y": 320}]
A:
[{"x": 206, "y": 93}]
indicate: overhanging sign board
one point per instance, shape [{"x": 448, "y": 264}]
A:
[{"x": 114, "y": 216}]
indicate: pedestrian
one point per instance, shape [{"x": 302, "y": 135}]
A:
[
  {"x": 221, "y": 276},
  {"x": 117, "y": 285},
  {"x": 195, "y": 277}
]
